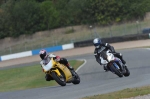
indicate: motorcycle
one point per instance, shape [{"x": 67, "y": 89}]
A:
[
  {"x": 113, "y": 63},
  {"x": 60, "y": 73}
]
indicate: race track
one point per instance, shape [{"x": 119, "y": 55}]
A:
[{"x": 93, "y": 79}]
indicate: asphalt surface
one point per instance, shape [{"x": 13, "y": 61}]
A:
[{"x": 94, "y": 80}]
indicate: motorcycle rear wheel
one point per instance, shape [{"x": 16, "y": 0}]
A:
[
  {"x": 127, "y": 72},
  {"x": 76, "y": 79},
  {"x": 58, "y": 79}
]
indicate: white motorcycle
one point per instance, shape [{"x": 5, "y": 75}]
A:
[{"x": 113, "y": 63}]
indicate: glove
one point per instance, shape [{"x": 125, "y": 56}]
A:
[{"x": 57, "y": 59}]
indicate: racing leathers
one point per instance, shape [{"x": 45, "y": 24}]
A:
[{"x": 107, "y": 47}]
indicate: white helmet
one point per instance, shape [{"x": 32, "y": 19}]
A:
[{"x": 97, "y": 42}]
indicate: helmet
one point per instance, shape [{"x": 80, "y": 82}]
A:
[
  {"x": 43, "y": 54},
  {"x": 97, "y": 42}
]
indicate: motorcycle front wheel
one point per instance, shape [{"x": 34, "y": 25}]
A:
[
  {"x": 116, "y": 71},
  {"x": 60, "y": 80}
]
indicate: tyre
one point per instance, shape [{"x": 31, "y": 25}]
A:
[
  {"x": 127, "y": 73},
  {"x": 76, "y": 79},
  {"x": 116, "y": 71},
  {"x": 48, "y": 77},
  {"x": 60, "y": 80}
]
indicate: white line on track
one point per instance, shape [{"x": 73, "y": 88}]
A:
[
  {"x": 81, "y": 65},
  {"x": 148, "y": 48}
]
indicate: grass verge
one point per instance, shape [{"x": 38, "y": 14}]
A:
[
  {"x": 27, "y": 77},
  {"x": 126, "y": 93}
]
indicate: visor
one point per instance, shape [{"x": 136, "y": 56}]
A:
[{"x": 96, "y": 45}]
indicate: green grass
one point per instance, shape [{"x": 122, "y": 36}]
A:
[
  {"x": 126, "y": 93},
  {"x": 27, "y": 77}
]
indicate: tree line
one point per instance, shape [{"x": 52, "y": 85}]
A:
[{"x": 19, "y": 17}]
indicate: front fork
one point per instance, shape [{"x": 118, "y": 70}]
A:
[
  {"x": 56, "y": 71},
  {"x": 114, "y": 64}
]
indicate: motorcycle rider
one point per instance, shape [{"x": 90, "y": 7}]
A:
[
  {"x": 98, "y": 44},
  {"x": 46, "y": 58}
]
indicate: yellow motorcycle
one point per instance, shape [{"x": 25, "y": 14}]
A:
[{"x": 60, "y": 73}]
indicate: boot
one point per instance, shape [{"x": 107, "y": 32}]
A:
[
  {"x": 119, "y": 55},
  {"x": 123, "y": 61},
  {"x": 125, "y": 65},
  {"x": 105, "y": 68},
  {"x": 71, "y": 69},
  {"x": 121, "y": 58}
]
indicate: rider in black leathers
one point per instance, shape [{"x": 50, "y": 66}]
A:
[{"x": 98, "y": 45}]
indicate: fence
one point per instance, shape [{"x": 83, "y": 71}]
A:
[{"x": 73, "y": 34}]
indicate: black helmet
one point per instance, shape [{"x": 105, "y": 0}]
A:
[
  {"x": 97, "y": 42},
  {"x": 43, "y": 54}
]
